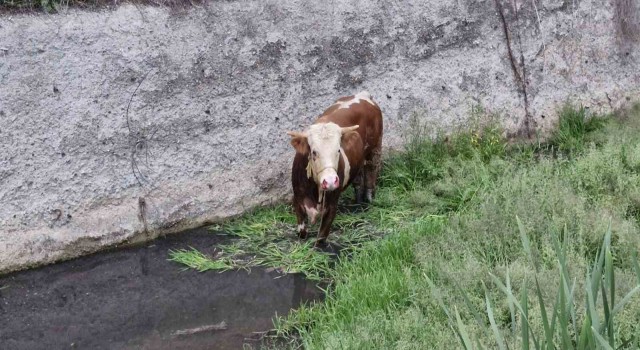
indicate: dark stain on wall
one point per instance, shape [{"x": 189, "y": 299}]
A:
[{"x": 627, "y": 20}]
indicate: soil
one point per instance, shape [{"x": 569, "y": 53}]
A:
[{"x": 136, "y": 298}]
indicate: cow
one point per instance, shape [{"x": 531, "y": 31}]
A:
[{"x": 342, "y": 147}]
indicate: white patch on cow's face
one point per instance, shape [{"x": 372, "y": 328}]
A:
[
  {"x": 324, "y": 142},
  {"x": 360, "y": 96}
]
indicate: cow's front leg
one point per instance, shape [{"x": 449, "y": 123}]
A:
[
  {"x": 301, "y": 216},
  {"x": 325, "y": 228}
]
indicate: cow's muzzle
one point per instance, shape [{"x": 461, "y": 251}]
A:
[{"x": 330, "y": 183}]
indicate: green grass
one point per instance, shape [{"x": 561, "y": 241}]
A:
[
  {"x": 590, "y": 324},
  {"x": 266, "y": 237},
  {"x": 574, "y": 129},
  {"x": 506, "y": 246},
  {"x": 194, "y": 259},
  {"x": 473, "y": 242}
]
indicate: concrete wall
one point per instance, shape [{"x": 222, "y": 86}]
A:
[{"x": 218, "y": 86}]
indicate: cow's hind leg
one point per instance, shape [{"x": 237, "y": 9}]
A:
[
  {"x": 359, "y": 188},
  {"x": 372, "y": 170}
]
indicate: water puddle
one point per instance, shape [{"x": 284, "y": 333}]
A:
[{"x": 136, "y": 299}]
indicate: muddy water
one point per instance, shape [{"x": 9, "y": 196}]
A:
[{"x": 136, "y": 299}]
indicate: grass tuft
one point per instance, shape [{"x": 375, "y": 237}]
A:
[
  {"x": 266, "y": 238},
  {"x": 198, "y": 261},
  {"x": 574, "y": 128}
]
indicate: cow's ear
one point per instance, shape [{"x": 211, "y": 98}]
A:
[
  {"x": 349, "y": 128},
  {"x": 299, "y": 142},
  {"x": 349, "y": 139},
  {"x": 349, "y": 132}
]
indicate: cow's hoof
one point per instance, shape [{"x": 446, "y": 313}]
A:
[
  {"x": 320, "y": 244},
  {"x": 302, "y": 231},
  {"x": 358, "y": 194}
]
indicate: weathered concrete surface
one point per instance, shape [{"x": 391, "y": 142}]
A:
[{"x": 205, "y": 134}]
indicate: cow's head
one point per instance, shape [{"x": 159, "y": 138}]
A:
[{"x": 321, "y": 143}]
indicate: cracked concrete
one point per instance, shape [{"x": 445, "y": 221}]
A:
[{"x": 219, "y": 85}]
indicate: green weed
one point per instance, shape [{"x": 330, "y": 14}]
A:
[
  {"x": 585, "y": 323},
  {"x": 573, "y": 130}
]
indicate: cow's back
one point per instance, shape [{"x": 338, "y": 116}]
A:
[{"x": 365, "y": 113}]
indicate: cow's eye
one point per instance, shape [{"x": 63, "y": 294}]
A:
[{"x": 314, "y": 154}]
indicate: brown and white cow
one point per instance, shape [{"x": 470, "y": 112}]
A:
[{"x": 342, "y": 147}]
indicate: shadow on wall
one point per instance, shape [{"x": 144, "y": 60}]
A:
[{"x": 627, "y": 20}]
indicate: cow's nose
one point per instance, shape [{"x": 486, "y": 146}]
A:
[
  {"x": 324, "y": 184},
  {"x": 337, "y": 182}
]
